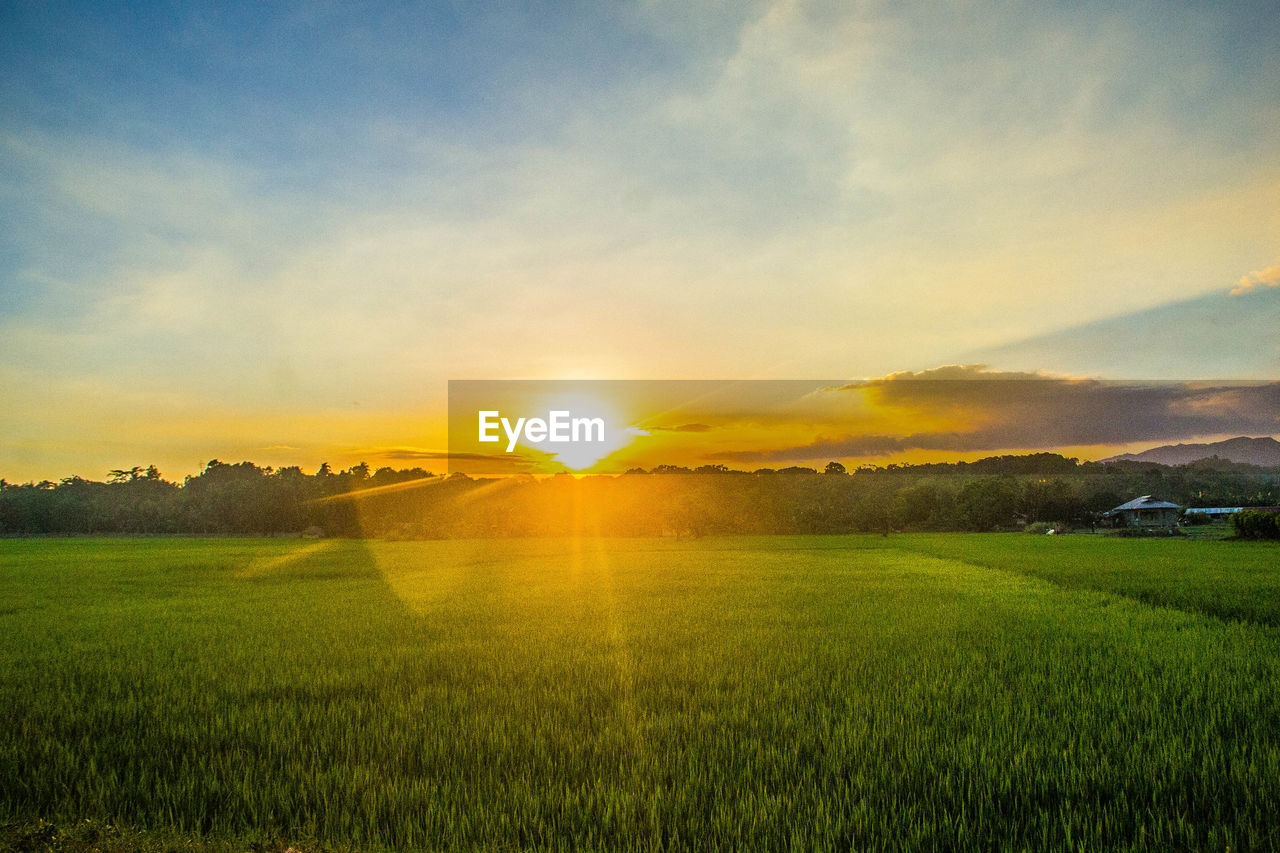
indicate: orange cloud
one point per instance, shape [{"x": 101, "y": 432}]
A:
[{"x": 1269, "y": 277}]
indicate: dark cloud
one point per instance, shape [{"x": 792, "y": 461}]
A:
[{"x": 1026, "y": 411}]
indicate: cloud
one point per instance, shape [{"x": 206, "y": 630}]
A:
[
  {"x": 681, "y": 428},
  {"x": 950, "y": 372},
  {"x": 407, "y": 454},
  {"x": 829, "y": 448},
  {"x": 1269, "y": 277},
  {"x": 1024, "y": 412}
]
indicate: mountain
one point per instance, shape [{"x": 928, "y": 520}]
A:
[{"x": 1250, "y": 451}]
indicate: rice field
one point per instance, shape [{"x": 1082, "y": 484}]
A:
[{"x": 963, "y": 692}]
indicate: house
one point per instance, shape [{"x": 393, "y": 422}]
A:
[
  {"x": 1145, "y": 511},
  {"x": 1224, "y": 513},
  {"x": 1215, "y": 513}
]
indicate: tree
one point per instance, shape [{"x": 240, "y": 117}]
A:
[{"x": 986, "y": 504}]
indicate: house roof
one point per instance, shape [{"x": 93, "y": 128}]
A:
[{"x": 1145, "y": 502}]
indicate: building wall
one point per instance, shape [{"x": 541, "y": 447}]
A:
[{"x": 1151, "y": 517}]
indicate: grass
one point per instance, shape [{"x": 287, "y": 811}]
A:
[
  {"x": 1229, "y": 580},
  {"x": 99, "y": 836},
  {"x": 825, "y": 693}
]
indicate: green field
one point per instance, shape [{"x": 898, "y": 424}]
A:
[{"x": 962, "y": 692}]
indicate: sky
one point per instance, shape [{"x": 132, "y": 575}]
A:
[{"x": 275, "y": 231}]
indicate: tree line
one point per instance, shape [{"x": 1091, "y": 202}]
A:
[{"x": 1000, "y": 492}]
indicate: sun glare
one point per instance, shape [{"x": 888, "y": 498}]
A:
[{"x": 581, "y": 456}]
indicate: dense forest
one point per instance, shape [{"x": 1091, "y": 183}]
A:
[{"x": 1004, "y": 492}]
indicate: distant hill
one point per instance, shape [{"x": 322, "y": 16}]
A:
[{"x": 1250, "y": 451}]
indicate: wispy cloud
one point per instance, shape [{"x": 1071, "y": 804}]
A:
[
  {"x": 681, "y": 428},
  {"x": 400, "y": 453}
]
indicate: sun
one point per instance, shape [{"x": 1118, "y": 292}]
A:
[{"x": 583, "y": 455}]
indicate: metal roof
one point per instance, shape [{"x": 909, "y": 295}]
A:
[{"x": 1145, "y": 502}]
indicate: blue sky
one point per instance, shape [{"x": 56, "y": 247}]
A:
[{"x": 274, "y": 231}]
